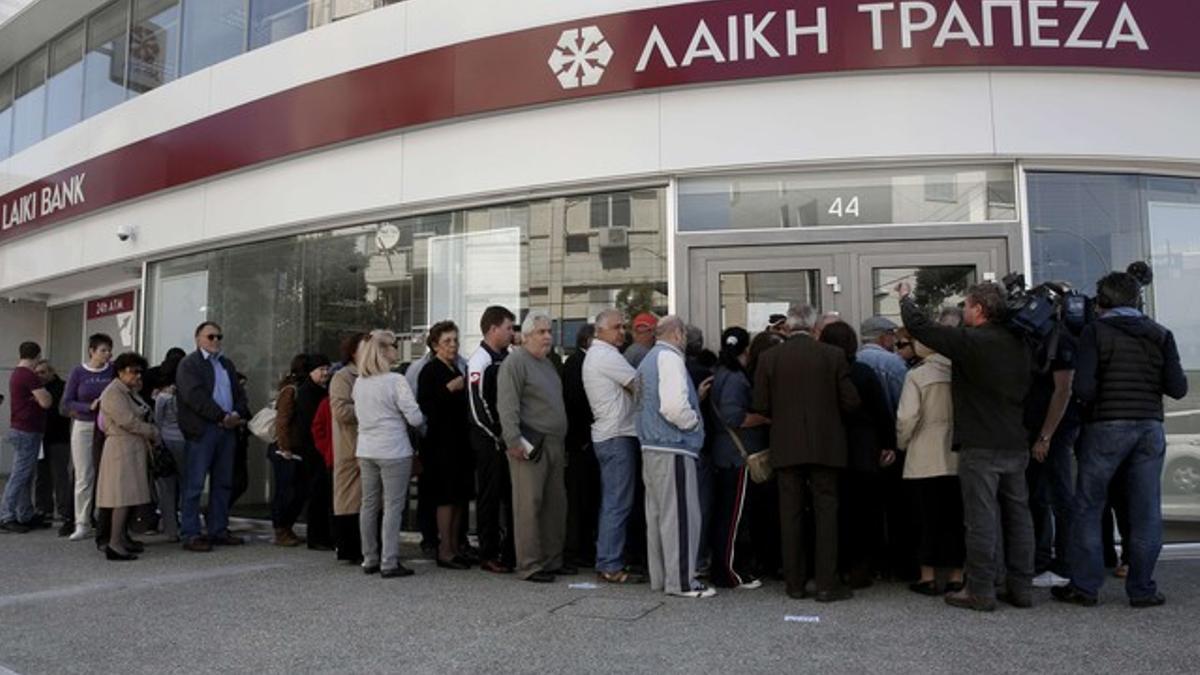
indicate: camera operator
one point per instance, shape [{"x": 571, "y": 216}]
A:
[
  {"x": 1126, "y": 363},
  {"x": 1052, "y": 420},
  {"x": 990, "y": 376}
]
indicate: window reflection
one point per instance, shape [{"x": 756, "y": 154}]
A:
[
  {"x": 274, "y": 20},
  {"x": 154, "y": 44},
  {"x": 29, "y": 108},
  {"x": 64, "y": 89},
  {"x": 215, "y": 30},
  {"x": 933, "y": 287},
  {"x": 104, "y": 63},
  {"x": 748, "y": 299},
  {"x": 6, "y": 113}
]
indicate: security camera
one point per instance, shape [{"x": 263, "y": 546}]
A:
[{"x": 125, "y": 232}]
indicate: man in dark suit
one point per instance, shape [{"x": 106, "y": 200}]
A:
[
  {"x": 212, "y": 405},
  {"x": 804, "y": 387}
]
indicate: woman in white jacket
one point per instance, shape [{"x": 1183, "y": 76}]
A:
[
  {"x": 386, "y": 408},
  {"x": 925, "y": 430}
]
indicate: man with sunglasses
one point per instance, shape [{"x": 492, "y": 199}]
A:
[{"x": 212, "y": 405}]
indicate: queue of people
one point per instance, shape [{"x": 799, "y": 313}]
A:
[{"x": 827, "y": 458}]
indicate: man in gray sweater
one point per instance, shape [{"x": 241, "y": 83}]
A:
[{"x": 533, "y": 420}]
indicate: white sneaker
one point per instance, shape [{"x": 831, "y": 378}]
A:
[
  {"x": 1049, "y": 579},
  {"x": 701, "y": 592},
  {"x": 81, "y": 532},
  {"x": 750, "y": 585}
]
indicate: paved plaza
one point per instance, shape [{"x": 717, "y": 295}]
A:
[{"x": 259, "y": 608}]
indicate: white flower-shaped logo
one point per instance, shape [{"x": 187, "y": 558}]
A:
[{"x": 580, "y": 57}]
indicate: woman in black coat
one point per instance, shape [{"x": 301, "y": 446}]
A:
[
  {"x": 446, "y": 455},
  {"x": 871, "y": 443}
]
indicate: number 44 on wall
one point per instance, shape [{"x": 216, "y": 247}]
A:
[{"x": 842, "y": 207}]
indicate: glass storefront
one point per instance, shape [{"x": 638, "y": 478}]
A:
[
  {"x": 1082, "y": 226},
  {"x": 304, "y": 293}
]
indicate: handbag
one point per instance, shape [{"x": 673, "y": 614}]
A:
[
  {"x": 262, "y": 425},
  {"x": 162, "y": 462},
  {"x": 758, "y": 464}
]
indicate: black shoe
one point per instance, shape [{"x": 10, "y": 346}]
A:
[
  {"x": 799, "y": 595},
  {"x": 925, "y": 588},
  {"x": 14, "y": 527},
  {"x": 964, "y": 599},
  {"x": 834, "y": 595},
  {"x": 319, "y": 547},
  {"x": 453, "y": 564},
  {"x": 38, "y": 522},
  {"x": 67, "y": 529},
  {"x": 541, "y": 578},
  {"x": 113, "y": 555},
  {"x": 470, "y": 554},
  {"x": 1073, "y": 596},
  {"x": 954, "y": 586},
  {"x": 135, "y": 546},
  {"x": 397, "y": 571},
  {"x": 565, "y": 571},
  {"x": 1156, "y": 600},
  {"x": 371, "y": 569},
  {"x": 1016, "y": 599}
]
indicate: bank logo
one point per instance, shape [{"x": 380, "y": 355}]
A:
[{"x": 579, "y": 58}]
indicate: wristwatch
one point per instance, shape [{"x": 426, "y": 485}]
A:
[{"x": 1043, "y": 439}]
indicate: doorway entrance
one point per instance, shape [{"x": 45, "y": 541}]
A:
[{"x": 744, "y": 285}]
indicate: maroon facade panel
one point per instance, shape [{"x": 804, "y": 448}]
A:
[{"x": 642, "y": 50}]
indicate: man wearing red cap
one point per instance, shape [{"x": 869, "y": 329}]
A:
[{"x": 643, "y": 338}]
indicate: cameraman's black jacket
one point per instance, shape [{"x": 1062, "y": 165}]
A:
[
  {"x": 990, "y": 375},
  {"x": 1125, "y": 365}
]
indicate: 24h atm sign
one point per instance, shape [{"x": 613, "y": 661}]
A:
[{"x": 686, "y": 44}]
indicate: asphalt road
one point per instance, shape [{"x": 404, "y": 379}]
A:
[{"x": 258, "y": 608}]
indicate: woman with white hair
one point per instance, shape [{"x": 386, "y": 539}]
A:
[{"x": 386, "y": 408}]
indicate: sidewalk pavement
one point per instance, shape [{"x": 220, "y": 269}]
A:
[{"x": 263, "y": 609}]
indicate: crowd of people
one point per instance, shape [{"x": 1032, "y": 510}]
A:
[{"x": 939, "y": 453}]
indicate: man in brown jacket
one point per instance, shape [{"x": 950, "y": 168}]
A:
[{"x": 804, "y": 387}]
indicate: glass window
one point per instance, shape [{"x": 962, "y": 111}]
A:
[
  {"x": 6, "y": 113},
  {"x": 104, "y": 63},
  {"x": 213, "y": 30},
  {"x": 274, "y": 20},
  {"x": 1084, "y": 225},
  {"x": 67, "y": 342},
  {"x": 748, "y": 299},
  {"x": 29, "y": 109},
  {"x": 64, "y": 89},
  {"x": 933, "y": 287},
  {"x": 875, "y": 197},
  {"x": 153, "y": 44},
  {"x": 277, "y": 298}
]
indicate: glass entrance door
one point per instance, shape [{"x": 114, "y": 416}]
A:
[{"x": 745, "y": 285}]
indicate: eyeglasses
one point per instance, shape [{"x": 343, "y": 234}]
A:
[
  {"x": 214, "y": 336},
  {"x": 903, "y": 345}
]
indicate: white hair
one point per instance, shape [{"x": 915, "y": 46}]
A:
[
  {"x": 533, "y": 320},
  {"x": 671, "y": 324},
  {"x": 605, "y": 317},
  {"x": 801, "y": 317}
]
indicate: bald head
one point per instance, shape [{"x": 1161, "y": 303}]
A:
[{"x": 673, "y": 330}]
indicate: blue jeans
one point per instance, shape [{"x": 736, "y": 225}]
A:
[
  {"x": 18, "y": 493},
  {"x": 211, "y": 452},
  {"x": 618, "y": 459},
  {"x": 1139, "y": 445}
]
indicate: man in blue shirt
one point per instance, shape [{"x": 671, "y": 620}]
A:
[
  {"x": 879, "y": 351},
  {"x": 212, "y": 405}
]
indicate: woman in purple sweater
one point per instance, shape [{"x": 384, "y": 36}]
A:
[{"x": 80, "y": 402}]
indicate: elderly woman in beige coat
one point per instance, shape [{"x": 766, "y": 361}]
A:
[
  {"x": 130, "y": 436},
  {"x": 347, "y": 491},
  {"x": 925, "y": 429}
]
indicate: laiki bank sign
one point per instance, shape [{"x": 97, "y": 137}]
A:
[{"x": 686, "y": 44}]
